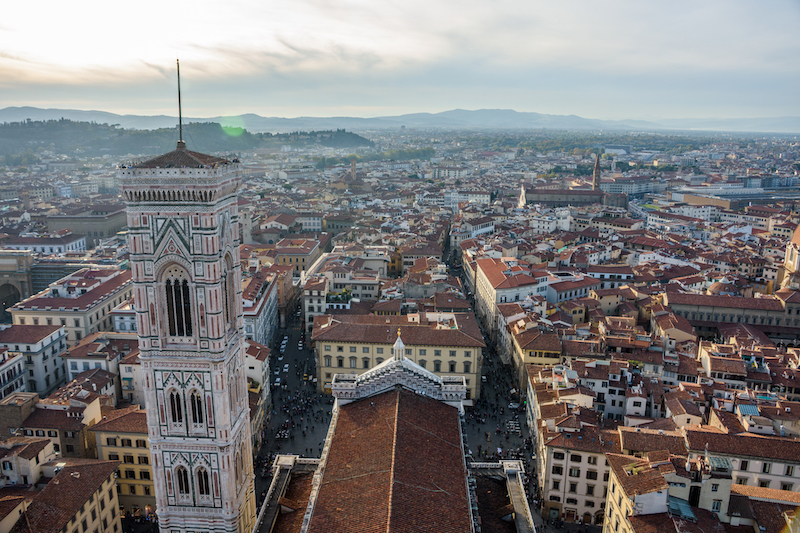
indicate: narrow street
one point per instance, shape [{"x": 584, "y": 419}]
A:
[{"x": 300, "y": 416}]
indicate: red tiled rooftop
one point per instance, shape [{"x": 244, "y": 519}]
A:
[
  {"x": 182, "y": 158},
  {"x": 395, "y": 464}
]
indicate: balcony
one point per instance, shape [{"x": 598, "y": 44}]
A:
[{"x": 339, "y": 298}]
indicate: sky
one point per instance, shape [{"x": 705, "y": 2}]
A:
[{"x": 615, "y": 59}]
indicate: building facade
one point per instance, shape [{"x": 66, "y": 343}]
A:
[
  {"x": 447, "y": 344},
  {"x": 81, "y": 302},
  {"x": 184, "y": 246},
  {"x": 41, "y": 347},
  {"x": 122, "y": 436}
]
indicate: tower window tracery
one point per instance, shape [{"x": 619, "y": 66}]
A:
[
  {"x": 176, "y": 407},
  {"x": 203, "y": 485},
  {"x": 228, "y": 293},
  {"x": 179, "y": 303},
  {"x": 196, "y": 405},
  {"x": 182, "y": 475},
  {"x": 238, "y": 468}
]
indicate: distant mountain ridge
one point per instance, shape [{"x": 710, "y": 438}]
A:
[{"x": 453, "y": 119}]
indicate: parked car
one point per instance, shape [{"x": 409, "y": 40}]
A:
[{"x": 286, "y": 367}]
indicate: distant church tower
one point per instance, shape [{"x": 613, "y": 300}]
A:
[
  {"x": 184, "y": 256},
  {"x": 596, "y": 174}
]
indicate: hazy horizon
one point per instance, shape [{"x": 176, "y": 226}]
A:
[{"x": 321, "y": 58}]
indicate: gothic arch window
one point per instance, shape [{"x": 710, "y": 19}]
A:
[
  {"x": 196, "y": 406},
  {"x": 179, "y": 302},
  {"x": 182, "y": 477},
  {"x": 238, "y": 468},
  {"x": 228, "y": 293},
  {"x": 233, "y": 390},
  {"x": 203, "y": 485},
  {"x": 176, "y": 407},
  {"x": 242, "y": 455}
]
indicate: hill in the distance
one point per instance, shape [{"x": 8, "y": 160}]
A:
[
  {"x": 95, "y": 138},
  {"x": 454, "y": 119}
]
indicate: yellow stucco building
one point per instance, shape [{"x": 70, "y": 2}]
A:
[{"x": 447, "y": 344}]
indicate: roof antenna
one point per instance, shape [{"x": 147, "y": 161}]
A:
[{"x": 181, "y": 144}]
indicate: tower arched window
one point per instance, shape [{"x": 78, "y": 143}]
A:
[
  {"x": 182, "y": 476},
  {"x": 228, "y": 293},
  {"x": 196, "y": 405},
  {"x": 179, "y": 303},
  {"x": 238, "y": 468},
  {"x": 203, "y": 485},
  {"x": 233, "y": 391},
  {"x": 176, "y": 407}
]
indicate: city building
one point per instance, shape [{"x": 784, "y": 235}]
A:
[
  {"x": 300, "y": 254},
  {"x": 104, "y": 350},
  {"x": 447, "y": 344},
  {"x": 499, "y": 281},
  {"x": 40, "y": 348},
  {"x": 13, "y": 375},
  {"x": 260, "y": 304},
  {"x": 131, "y": 381},
  {"x": 65, "y": 417},
  {"x": 81, "y": 496},
  {"x": 97, "y": 222},
  {"x": 124, "y": 316},
  {"x": 81, "y": 302},
  {"x": 122, "y": 436},
  {"x": 61, "y": 243},
  {"x": 22, "y": 460}
]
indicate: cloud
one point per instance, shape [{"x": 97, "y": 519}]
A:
[{"x": 360, "y": 54}]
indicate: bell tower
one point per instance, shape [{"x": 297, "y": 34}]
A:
[
  {"x": 596, "y": 174},
  {"x": 184, "y": 256}
]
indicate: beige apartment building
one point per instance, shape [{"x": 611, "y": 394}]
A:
[
  {"x": 80, "y": 497},
  {"x": 300, "y": 254},
  {"x": 447, "y": 344},
  {"x": 81, "y": 302},
  {"x": 122, "y": 436}
]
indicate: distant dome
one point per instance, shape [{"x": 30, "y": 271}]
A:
[{"x": 722, "y": 288}]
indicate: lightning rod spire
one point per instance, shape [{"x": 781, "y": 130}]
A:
[{"x": 181, "y": 144}]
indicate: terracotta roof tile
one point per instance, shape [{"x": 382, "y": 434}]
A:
[
  {"x": 182, "y": 158},
  {"x": 52, "y": 508},
  {"x": 19, "y": 334},
  {"x": 745, "y": 444},
  {"x": 128, "y": 420},
  {"x": 395, "y": 464}
]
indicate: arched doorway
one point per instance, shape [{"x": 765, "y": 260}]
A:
[{"x": 9, "y": 295}]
